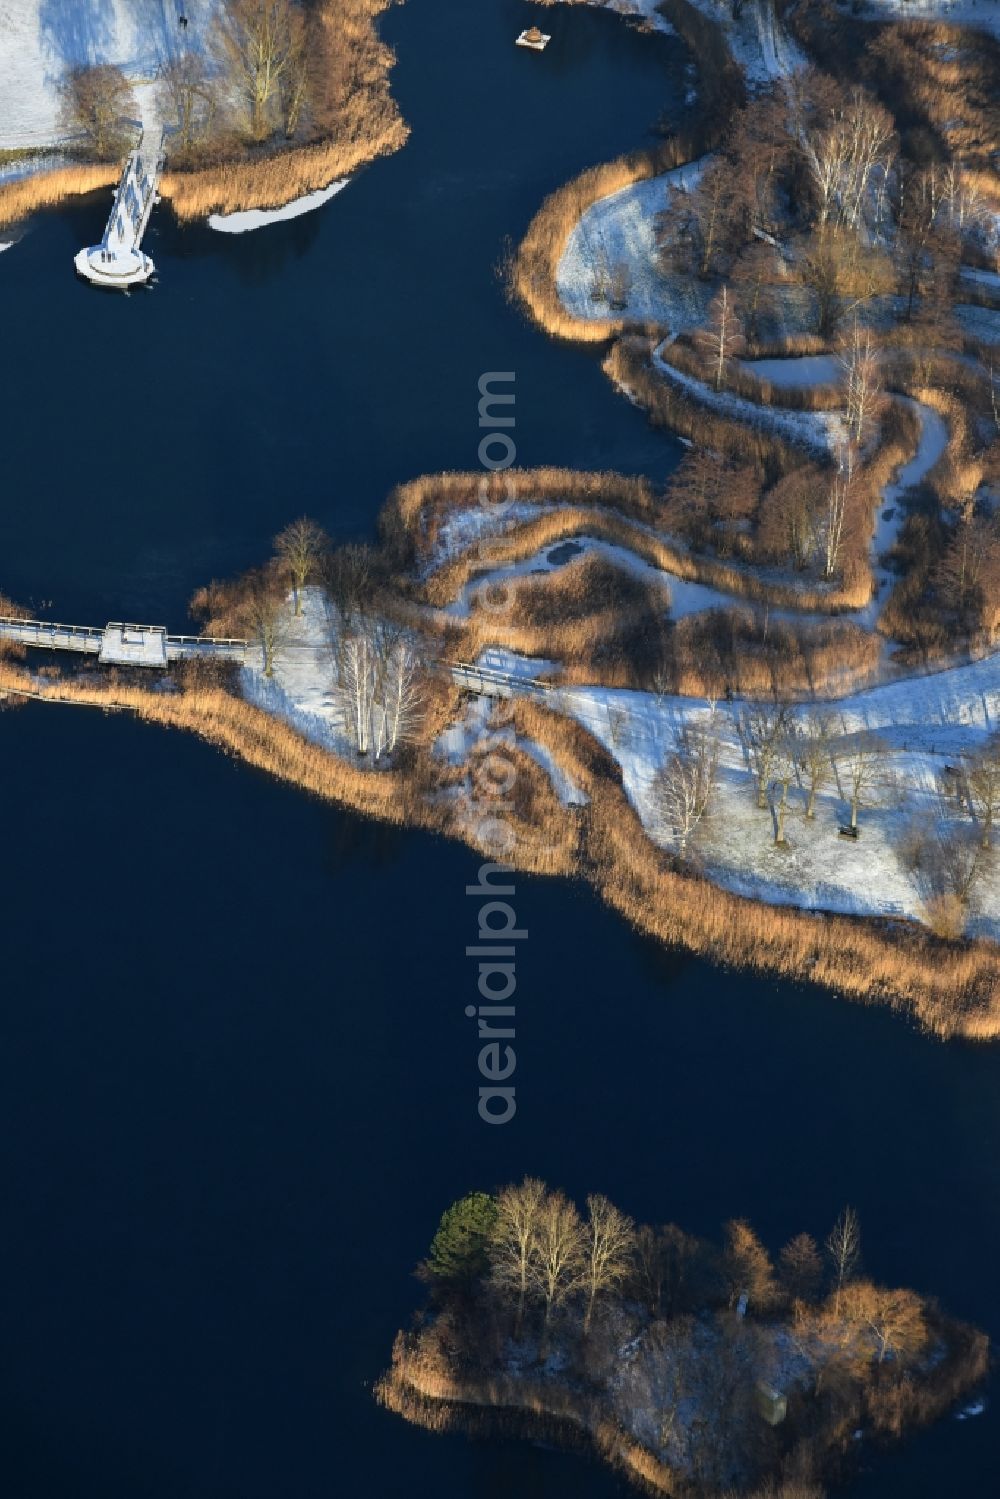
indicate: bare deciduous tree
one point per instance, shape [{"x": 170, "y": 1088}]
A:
[
  {"x": 835, "y": 518},
  {"x": 812, "y": 755},
  {"x": 187, "y": 100},
  {"x": 98, "y": 102},
  {"x": 841, "y": 273},
  {"x": 764, "y": 730},
  {"x": 982, "y": 784},
  {"x": 302, "y": 547},
  {"x": 969, "y": 572},
  {"x": 704, "y": 223},
  {"x": 721, "y": 338},
  {"x": 514, "y": 1239},
  {"x": 609, "y": 1239},
  {"x": 756, "y": 276},
  {"x": 361, "y": 675},
  {"x": 683, "y": 786},
  {"x": 260, "y": 44},
  {"x": 382, "y": 680},
  {"x": 844, "y": 1249},
  {"x": 402, "y": 693},
  {"x": 266, "y": 613},
  {"x": 349, "y": 574},
  {"x": 557, "y": 1261},
  {"x": 862, "y": 382},
  {"x": 783, "y": 772},
  {"x": 848, "y": 154},
  {"x": 710, "y": 494},
  {"x": 862, "y": 758}
]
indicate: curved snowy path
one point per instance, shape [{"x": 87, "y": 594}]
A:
[{"x": 690, "y": 597}]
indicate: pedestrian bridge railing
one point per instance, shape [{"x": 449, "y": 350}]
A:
[{"x": 121, "y": 644}]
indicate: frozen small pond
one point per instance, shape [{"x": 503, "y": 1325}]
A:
[{"x": 798, "y": 371}]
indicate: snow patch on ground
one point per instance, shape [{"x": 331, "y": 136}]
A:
[
  {"x": 41, "y": 39},
  {"x": 926, "y": 723},
  {"x": 981, "y": 322},
  {"x": 303, "y": 690},
  {"x": 621, "y": 229},
  {"x": 798, "y": 371},
  {"x": 565, "y": 789},
  {"x": 989, "y": 279},
  {"x": 757, "y": 42},
  {"x": 892, "y": 513},
  {"x": 465, "y": 528},
  {"x": 259, "y": 218}
]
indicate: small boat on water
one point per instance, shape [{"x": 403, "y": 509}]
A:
[{"x": 533, "y": 38}]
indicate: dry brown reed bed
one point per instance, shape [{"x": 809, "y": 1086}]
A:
[
  {"x": 546, "y": 838},
  {"x": 536, "y": 264},
  {"x": 423, "y": 1393},
  {"x": 958, "y": 473},
  {"x": 710, "y": 654},
  {"x": 629, "y": 364},
  {"x": 206, "y": 708},
  {"x": 45, "y": 189},
  {"x": 274, "y": 180},
  {"x": 951, "y": 988},
  {"x": 411, "y": 519},
  {"x": 948, "y": 74}
]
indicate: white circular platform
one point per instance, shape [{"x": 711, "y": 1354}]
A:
[{"x": 122, "y": 268}]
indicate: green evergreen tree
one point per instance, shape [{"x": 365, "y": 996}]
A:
[{"x": 458, "y": 1249}]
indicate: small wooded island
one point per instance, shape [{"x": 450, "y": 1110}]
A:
[{"x": 694, "y": 1368}]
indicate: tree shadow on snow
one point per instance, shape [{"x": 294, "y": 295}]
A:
[{"x": 77, "y": 32}]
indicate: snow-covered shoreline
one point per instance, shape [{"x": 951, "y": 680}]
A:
[
  {"x": 259, "y": 218},
  {"x": 645, "y": 10}
]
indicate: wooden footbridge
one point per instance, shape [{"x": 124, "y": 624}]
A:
[
  {"x": 122, "y": 644},
  {"x": 489, "y": 681},
  {"x": 119, "y": 261}
]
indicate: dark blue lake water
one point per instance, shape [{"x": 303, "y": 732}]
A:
[{"x": 237, "y": 1085}]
